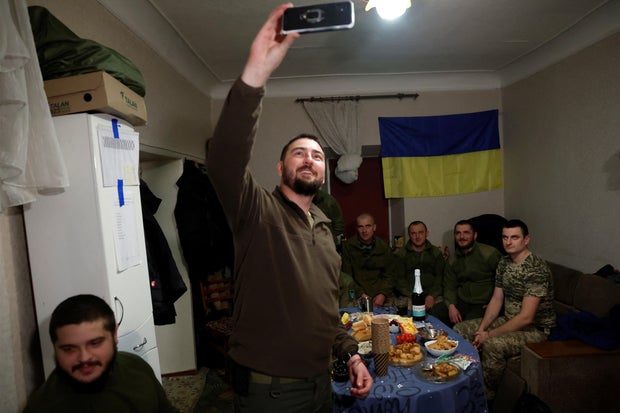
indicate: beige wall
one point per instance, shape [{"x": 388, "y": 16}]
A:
[
  {"x": 21, "y": 368},
  {"x": 562, "y": 147}
]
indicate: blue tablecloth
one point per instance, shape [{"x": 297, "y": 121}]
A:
[{"x": 402, "y": 391}]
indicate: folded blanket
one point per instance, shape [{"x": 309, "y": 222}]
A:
[{"x": 600, "y": 332}]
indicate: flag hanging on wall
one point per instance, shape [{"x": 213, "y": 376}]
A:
[{"x": 440, "y": 155}]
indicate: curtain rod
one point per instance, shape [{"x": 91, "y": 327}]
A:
[{"x": 358, "y": 97}]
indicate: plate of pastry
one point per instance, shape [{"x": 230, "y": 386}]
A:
[
  {"x": 405, "y": 354},
  {"x": 438, "y": 372}
]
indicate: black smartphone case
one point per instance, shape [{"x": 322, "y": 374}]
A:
[{"x": 318, "y": 18}]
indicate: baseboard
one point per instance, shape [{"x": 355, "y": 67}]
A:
[{"x": 181, "y": 373}]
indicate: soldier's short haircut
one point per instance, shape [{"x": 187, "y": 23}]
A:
[
  {"x": 79, "y": 309},
  {"x": 517, "y": 223},
  {"x": 465, "y": 222},
  {"x": 417, "y": 223}
]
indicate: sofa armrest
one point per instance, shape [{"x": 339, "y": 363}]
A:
[
  {"x": 567, "y": 348},
  {"x": 565, "y": 375}
]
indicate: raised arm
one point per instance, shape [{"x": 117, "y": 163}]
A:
[{"x": 268, "y": 49}]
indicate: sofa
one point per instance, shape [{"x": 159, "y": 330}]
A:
[{"x": 570, "y": 375}]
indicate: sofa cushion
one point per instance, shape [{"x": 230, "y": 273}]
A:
[{"x": 596, "y": 295}]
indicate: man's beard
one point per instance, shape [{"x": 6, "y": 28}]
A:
[
  {"x": 301, "y": 187},
  {"x": 466, "y": 246},
  {"x": 306, "y": 188},
  {"x": 91, "y": 387}
]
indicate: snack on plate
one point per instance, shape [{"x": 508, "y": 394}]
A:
[
  {"x": 444, "y": 370},
  {"x": 362, "y": 335},
  {"x": 361, "y": 328},
  {"x": 345, "y": 318},
  {"x": 407, "y": 326},
  {"x": 359, "y": 325},
  {"x": 406, "y": 354},
  {"x": 442, "y": 343}
]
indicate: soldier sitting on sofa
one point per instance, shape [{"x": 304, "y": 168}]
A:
[{"x": 524, "y": 287}]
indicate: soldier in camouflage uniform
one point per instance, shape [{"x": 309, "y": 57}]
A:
[{"x": 524, "y": 286}]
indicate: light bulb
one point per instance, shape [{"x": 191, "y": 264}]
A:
[{"x": 389, "y": 9}]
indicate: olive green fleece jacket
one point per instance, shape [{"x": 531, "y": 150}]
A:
[
  {"x": 285, "y": 316},
  {"x": 470, "y": 277},
  {"x": 330, "y": 207},
  {"x": 131, "y": 387},
  {"x": 431, "y": 263},
  {"x": 373, "y": 271}
]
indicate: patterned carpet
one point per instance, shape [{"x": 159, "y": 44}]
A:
[{"x": 203, "y": 392}]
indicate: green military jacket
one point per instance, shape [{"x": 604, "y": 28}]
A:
[
  {"x": 131, "y": 388},
  {"x": 330, "y": 207},
  {"x": 431, "y": 263},
  {"x": 373, "y": 271},
  {"x": 470, "y": 277}
]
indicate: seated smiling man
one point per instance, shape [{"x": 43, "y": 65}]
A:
[{"x": 90, "y": 374}]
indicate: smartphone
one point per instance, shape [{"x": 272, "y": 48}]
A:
[{"x": 318, "y": 18}]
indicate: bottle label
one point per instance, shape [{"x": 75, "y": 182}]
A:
[{"x": 418, "y": 310}]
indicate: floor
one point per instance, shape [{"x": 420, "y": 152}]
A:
[{"x": 206, "y": 391}]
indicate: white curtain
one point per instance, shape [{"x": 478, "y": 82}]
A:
[
  {"x": 30, "y": 157},
  {"x": 337, "y": 124}
]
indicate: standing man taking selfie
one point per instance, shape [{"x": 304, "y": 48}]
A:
[{"x": 286, "y": 325}]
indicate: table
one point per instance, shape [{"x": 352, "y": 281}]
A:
[{"x": 402, "y": 391}]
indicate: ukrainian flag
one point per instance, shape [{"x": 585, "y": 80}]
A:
[{"x": 440, "y": 155}]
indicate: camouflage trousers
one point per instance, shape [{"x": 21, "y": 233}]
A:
[{"x": 495, "y": 351}]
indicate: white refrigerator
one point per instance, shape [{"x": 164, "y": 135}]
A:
[{"x": 90, "y": 238}]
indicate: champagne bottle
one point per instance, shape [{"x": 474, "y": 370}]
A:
[{"x": 418, "y": 309}]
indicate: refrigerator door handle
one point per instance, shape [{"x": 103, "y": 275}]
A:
[
  {"x": 117, "y": 303},
  {"x": 139, "y": 346}
]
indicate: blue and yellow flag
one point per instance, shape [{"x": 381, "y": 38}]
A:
[{"x": 440, "y": 155}]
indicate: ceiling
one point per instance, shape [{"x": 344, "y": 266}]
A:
[{"x": 437, "y": 44}]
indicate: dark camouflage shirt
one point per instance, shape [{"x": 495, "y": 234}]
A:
[{"x": 531, "y": 277}]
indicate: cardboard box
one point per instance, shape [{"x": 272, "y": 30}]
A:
[{"x": 95, "y": 92}]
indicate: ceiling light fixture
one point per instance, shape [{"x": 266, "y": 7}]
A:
[{"x": 388, "y": 9}]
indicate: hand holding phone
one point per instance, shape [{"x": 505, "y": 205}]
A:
[{"x": 318, "y": 18}]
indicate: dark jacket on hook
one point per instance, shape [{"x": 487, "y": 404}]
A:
[{"x": 166, "y": 282}]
